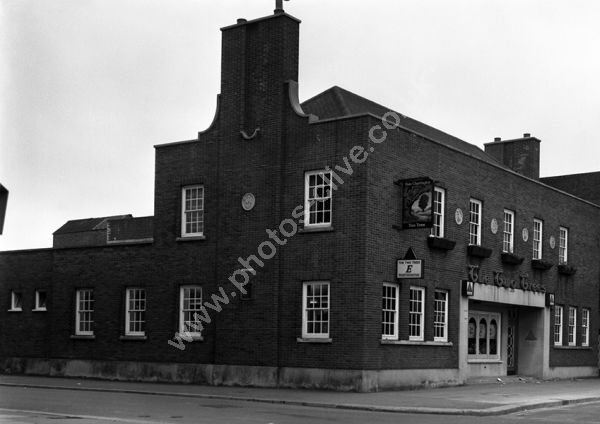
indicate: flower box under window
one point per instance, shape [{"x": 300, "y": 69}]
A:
[
  {"x": 511, "y": 259},
  {"x": 541, "y": 264},
  {"x": 566, "y": 269},
  {"x": 479, "y": 251},
  {"x": 440, "y": 243}
]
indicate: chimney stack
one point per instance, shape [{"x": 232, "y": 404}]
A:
[{"x": 522, "y": 155}]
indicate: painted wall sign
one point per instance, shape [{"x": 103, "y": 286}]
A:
[
  {"x": 552, "y": 242},
  {"x": 499, "y": 279},
  {"x": 525, "y": 234},
  {"x": 494, "y": 226},
  {"x": 410, "y": 268},
  {"x": 417, "y": 200},
  {"x": 458, "y": 216}
]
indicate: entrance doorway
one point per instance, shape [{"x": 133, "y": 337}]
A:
[{"x": 511, "y": 341}]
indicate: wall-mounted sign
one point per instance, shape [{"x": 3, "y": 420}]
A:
[
  {"x": 552, "y": 242},
  {"x": 468, "y": 288},
  {"x": 417, "y": 201},
  {"x": 525, "y": 234},
  {"x": 494, "y": 226},
  {"x": 458, "y": 216},
  {"x": 409, "y": 268},
  {"x": 549, "y": 299}
]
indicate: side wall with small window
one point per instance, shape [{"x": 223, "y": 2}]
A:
[{"x": 26, "y": 333}]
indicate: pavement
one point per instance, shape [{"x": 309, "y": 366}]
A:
[{"x": 479, "y": 398}]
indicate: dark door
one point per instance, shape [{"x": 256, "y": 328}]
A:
[{"x": 511, "y": 341}]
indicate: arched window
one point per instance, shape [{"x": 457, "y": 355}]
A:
[
  {"x": 472, "y": 336},
  {"x": 482, "y": 337},
  {"x": 493, "y": 337}
]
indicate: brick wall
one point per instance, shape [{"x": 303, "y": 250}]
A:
[{"x": 26, "y": 333}]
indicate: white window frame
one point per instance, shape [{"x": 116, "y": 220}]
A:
[
  {"x": 438, "y": 206},
  {"x": 16, "y": 301},
  {"x": 489, "y": 317},
  {"x": 538, "y": 237},
  {"x": 38, "y": 306},
  {"x": 563, "y": 245},
  {"x": 390, "y": 307},
  {"x": 508, "y": 231},
  {"x": 572, "y": 327},
  {"x": 312, "y": 197},
  {"x": 558, "y": 325},
  {"x": 416, "y": 317},
  {"x": 323, "y": 309},
  {"x": 88, "y": 302},
  {"x": 585, "y": 327},
  {"x": 129, "y": 311},
  {"x": 475, "y": 212},
  {"x": 197, "y": 307},
  {"x": 440, "y": 316},
  {"x": 198, "y": 209}
]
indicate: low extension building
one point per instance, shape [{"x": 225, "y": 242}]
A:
[{"x": 330, "y": 243}]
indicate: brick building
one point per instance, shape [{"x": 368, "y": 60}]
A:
[{"x": 287, "y": 221}]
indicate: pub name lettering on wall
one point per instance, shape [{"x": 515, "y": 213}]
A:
[{"x": 499, "y": 279}]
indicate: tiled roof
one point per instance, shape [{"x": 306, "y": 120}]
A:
[
  {"x": 337, "y": 102},
  {"x": 87, "y": 224},
  {"x": 130, "y": 229}
]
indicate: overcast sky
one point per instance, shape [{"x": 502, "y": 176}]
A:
[{"x": 89, "y": 86}]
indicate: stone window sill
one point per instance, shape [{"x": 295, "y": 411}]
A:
[
  {"x": 133, "y": 338},
  {"x": 195, "y": 338},
  {"x": 82, "y": 336},
  {"x": 306, "y": 230},
  {"x": 484, "y": 361},
  {"x": 191, "y": 238},
  {"x": 414, "y": 343},
  {"x": 15, "y": 310},
  {"x": 314, "y": 340},
  {"x": 39, "y": 310},
  {"x": 573, "y": 347}
]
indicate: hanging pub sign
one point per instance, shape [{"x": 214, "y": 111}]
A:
[
  {"x": 549, "y": 299},
  {"x": 417, "y": 202}
]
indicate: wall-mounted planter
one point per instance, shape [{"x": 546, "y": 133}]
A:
[
  {"x": 479, "y": 251},
  {"x": 566, "y": 269},
  {"x": 440, "y": 243},
  {"x": 541, "y": 264},
  {"x": 511, "y": 259}
]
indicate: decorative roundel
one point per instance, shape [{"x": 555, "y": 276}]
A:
[
  {"x": 248, "y": 201},
  {"x": 458, "y": 216},
  {"x": 552, "y": 242},
  {"x": 494, "y": 226},
  {"x": 525, "y": 234}
]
